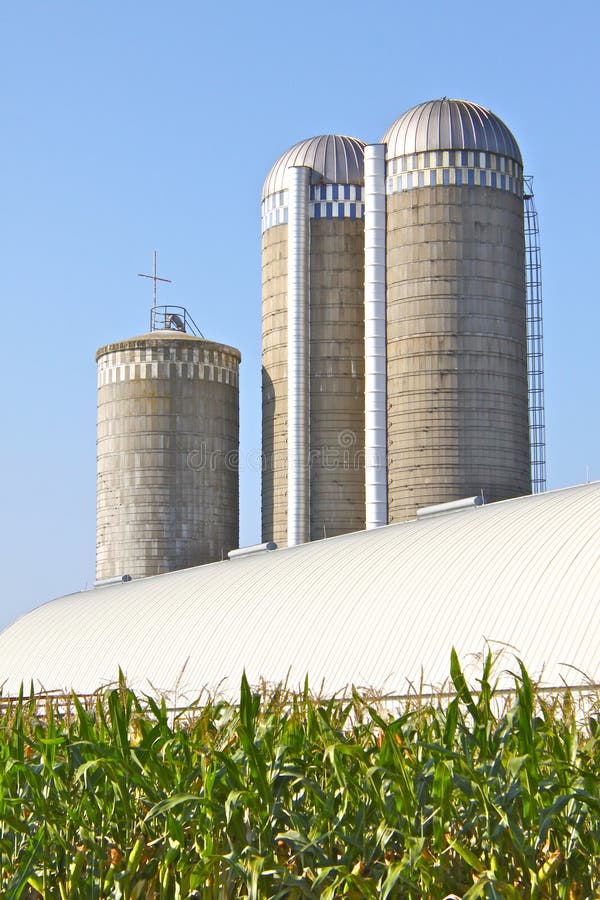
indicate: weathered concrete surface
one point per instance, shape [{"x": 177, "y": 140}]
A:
[
  {"x": 168, "y": 438},
  {"x": 274, "y": 385},
  {"x": 457, "y": 363},
  {"x": 337, "y": 377},
  {"x": 336, "y": 311}
]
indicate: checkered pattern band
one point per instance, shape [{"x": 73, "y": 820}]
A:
[
  {"x": 326, "y": 201},
  {"x": 454, "y": 167},
  {"x": 193, "y": 363}
]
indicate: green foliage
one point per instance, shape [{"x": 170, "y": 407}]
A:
[{"x": 287, "y": 796}]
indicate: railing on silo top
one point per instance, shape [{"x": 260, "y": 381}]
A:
[{"x": 173, "y": 318}]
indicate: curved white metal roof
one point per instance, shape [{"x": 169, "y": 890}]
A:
[
  {"x": 334, "y": 159},
  {"x": 449, "y": 125},
  {"x": 379, "y": 609}
]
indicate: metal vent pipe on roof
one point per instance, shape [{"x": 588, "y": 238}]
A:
[
  {"x": 252, "y": 549},
  {"x": 298, "y": 400},
  {"x": 375, "y": 338},
  {"x": 116, "y": 579},
  {"x": 465, "y": 503}
]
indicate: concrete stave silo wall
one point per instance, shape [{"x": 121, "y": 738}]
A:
[
  {"x": 336, "y": 378},
  {"x": 335, "y": 343},
  {"x": 337, "y": 385},
  {"x": 274, "y": 385},
  {"x": 168, "y": 438},
  {"x": 456, "y": 335}
]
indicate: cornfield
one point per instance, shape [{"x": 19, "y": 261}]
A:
[{"x": 284, "y": 795}]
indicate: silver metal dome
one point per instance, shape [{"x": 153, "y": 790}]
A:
[
  {"x": 334, "y": 158},
  {"x": 449, "y": 125}
]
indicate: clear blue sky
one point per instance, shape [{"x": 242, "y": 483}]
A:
[{"x": 127, "y": 126}]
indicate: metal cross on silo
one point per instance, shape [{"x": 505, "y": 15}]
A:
[{"x": 154, "y": 278}]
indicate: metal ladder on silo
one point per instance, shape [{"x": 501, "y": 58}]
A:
[{"x": 535, "y": 343}]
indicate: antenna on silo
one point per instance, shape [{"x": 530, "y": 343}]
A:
[
  {"x": 168, "y": 318},
  {"x": 154, "y": 278}
]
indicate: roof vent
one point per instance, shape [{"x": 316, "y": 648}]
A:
[
  {"x": 466, "y": 503},
  {"x": 116, "y": 579},
  {"x": 249, "y": 551}
]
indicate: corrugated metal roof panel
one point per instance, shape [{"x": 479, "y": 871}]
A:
[{"x": 379, "y": 609}]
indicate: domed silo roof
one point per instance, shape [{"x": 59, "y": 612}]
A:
[
  {"x": 334, "y": 159},
  {"x": 450, "y": 125}
]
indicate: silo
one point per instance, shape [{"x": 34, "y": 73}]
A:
[
  {"x": 167, "y": 492},
  {"x": 457, "y": 418},
  {"x": 313, "y": 342}
]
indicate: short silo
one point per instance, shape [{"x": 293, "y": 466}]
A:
[
  {"x": 167, "y": 492},
  {"x": 456, "y": 308},
  {"x": 313, "y": 342}
]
